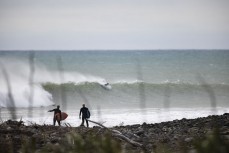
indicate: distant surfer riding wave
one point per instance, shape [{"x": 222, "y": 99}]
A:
[{"x": 106, "y": 86}]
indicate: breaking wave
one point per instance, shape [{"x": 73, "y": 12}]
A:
[
  {"x": 89, "y": 86},
  {"x": 20, "y": 88}
]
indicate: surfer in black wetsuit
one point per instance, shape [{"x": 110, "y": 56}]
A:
[
  {"x": 56, "y": 111},
  {"x": 85, "y": 115}
]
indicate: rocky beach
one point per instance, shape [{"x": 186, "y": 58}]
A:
[{"x": 185, "y": 135}]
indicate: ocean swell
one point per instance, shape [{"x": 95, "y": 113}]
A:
[{"x": 132, "y": 94}]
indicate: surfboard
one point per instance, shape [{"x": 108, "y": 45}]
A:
[
  {"x": 106, "y": 86},
  {"x": 63, "y": 116}
]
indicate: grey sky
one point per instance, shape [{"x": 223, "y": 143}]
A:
[{"x": 114, "y": 24}]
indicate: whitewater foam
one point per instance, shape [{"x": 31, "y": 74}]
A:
[
  {"x": 115, "y": 117},
  {"x": 18, "y": 75}
]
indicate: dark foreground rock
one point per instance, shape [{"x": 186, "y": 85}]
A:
[
  {"x": 175, "y": 136},
  {"x": 178, "y": 135}
]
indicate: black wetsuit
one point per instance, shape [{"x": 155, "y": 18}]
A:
[
  {"x": 56, "y": 111},
  {"x": 85, "y": 114}
]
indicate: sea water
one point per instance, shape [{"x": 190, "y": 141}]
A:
[{"x": 146, "y": 86}]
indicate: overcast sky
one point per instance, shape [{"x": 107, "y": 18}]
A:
[{"x": 114, "y": 24}]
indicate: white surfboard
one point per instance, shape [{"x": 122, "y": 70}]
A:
[{"x": 106, "y": 86}]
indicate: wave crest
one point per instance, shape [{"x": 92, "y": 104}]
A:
[{"x": 125, "y": 84}]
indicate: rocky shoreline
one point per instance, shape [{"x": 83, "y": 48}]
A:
[{"x": 184, "y": 135}]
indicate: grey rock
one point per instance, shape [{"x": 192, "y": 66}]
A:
[{"x": 188, "y": 139}]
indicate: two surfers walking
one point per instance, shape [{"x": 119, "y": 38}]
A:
[{"x": 57, "y": 115}]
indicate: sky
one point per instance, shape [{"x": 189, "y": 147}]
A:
[{"x": 113, "y": 24}]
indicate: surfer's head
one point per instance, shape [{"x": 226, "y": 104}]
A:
[
  {"x": 83, "y": 105},
  {"x": 58, "y": 106}
]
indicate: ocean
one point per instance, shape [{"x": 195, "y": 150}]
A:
[{"x": 143, "y": 85}]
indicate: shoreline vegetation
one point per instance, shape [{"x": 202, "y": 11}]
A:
[{"x": 206, "y": 134}]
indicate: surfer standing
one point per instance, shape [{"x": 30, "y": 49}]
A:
[
  {"x": 57, "y": 115},
  {"x": 85, "y": 115}
]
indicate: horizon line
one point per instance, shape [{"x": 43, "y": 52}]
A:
[{"x": 105, "y": 49}]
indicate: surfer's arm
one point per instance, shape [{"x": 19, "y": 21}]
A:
[{"x": 51, "y": 110}]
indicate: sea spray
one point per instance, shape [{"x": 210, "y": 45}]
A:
[{"x": 18, "y": 72}]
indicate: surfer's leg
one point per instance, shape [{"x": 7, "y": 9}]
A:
[
  {"x": 87, "y": 122},
  {"x": 54, "y": 121},
  {"x": 82, "y": 121},
  {"x": 58, "y": 122}
]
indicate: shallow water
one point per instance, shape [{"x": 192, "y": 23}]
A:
[{"x": 114, "y": 117}]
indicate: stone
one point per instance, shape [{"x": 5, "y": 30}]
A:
[
  {"x": 9, "y": 128},
  {"x": 188, "y": 139}
]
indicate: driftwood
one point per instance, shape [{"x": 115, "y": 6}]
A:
[
  {"x": 67, "y": 125},
  {"x": 118, "y": 134},
  {"x": 98, "y": 124},
  {"x": 134, "y": 143}
]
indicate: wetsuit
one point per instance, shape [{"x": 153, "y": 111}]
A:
[
  {"x": 85, "y": 114},
  {"x": 56, "y": 111}
]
